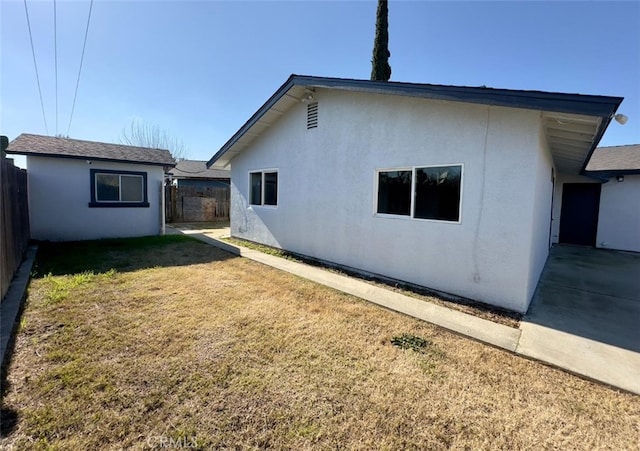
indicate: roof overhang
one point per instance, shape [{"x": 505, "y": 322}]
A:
[
  {"x": 573, "y": 123},
  {"x": 89, "y": 158}
]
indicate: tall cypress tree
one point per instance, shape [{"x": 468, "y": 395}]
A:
[{"x": 380, "y": 69}]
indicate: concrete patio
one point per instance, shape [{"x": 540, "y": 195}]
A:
[{"x": 585, "y": 315}]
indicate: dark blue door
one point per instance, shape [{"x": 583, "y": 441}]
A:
[{"x": 579, "y": 213}]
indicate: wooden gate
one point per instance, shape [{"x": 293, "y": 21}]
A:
[{"x": 189, "y": 204}]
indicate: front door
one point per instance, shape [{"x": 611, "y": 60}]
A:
[{"x": 579, "y": 213}]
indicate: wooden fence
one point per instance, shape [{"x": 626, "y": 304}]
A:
[
  {"x": 14, "y": 223},
  {"x": 189, "y": 204}
]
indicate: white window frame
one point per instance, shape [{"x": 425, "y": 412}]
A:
[
  {"x": 413, "y": 170},
  {"x": 262, "y": 184},
  {"x": 120, "y": 175}
]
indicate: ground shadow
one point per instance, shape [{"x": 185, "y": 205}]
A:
[
  {"x": 592, "y": 293},
  {"x": 123, "y": 255}
]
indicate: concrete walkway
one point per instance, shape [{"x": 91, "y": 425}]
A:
[
  {"x": 585, "y": 315},
  {"x": 486, "y": 331},
  {"x": 538, "y": 337}
]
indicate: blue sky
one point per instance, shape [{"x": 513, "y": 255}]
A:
[{"x": 200, "y": 69}]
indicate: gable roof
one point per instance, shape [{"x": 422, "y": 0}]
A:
[
  {"x": 574, "y": 123},
  {"x": 615, "y": 160},
  {"x": 196, "y": 169},
  {"x": 49, "y": 146}
]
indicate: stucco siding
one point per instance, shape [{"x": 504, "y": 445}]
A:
[
  {"x": 326, "y": 201},
  {"x": 619, "y": 215},
  {"x": 60, "y": 192},
  {"x": 541, "y": 224}
]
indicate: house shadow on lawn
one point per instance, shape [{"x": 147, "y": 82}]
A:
[{"x": 123, "y": 255}]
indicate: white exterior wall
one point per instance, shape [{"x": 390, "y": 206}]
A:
[
  {"x": 327, "y": 194},
  {"x": 59, "y": 196},
  {"x": 619, "y": 216},
  {"x": 541, "y": 225}
]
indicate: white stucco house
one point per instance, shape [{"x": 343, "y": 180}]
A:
[
  {"x": 450, "y": 188},
  {"x": 80, "y": 190},
  {"x": 602, "y": 207}
]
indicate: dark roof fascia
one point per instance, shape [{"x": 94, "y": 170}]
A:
[
  {"x": 185, "y": 177},
  {"x": 589, "y": 105},
  {"x": 79, "y": 157},
  {"x": 612, "y": 172}
]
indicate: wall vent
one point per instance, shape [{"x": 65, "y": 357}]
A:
[{"x": 312, "y": 115}]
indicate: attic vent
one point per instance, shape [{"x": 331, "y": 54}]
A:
[{"x": 312, "y": 115}]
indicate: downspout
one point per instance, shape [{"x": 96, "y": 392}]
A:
[{"x": 162, "y": 213}]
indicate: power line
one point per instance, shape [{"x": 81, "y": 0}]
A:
[
  {"x": 55, "y": 57},
  {"x": 75, "y": 95},
  {"x": 33, "y": 52}
]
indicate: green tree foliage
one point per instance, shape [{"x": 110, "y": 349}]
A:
[{"x": 380, "y": 69}]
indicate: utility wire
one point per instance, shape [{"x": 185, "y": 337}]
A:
[
  {"x": 33, "y": 52},
  {"x": 75, "y": 95},
  {"x": 55, "y": 57}
]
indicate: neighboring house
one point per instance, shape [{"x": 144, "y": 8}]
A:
[
  {"x": 603, "y": 209},
  {"x": 82, "y": 190},
  {"x": 195, "y": 174},
  {"x": 446, "y": 187}
]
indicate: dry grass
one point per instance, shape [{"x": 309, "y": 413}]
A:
[
  {"x": 176, "y": 340},
  {"x": 484, "y": 311}
]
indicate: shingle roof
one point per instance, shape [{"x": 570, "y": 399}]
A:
[
  {"x": 195, "y": 169},
  {"x": 49, "y": 146},
  {"x": 615, "y": 159}
]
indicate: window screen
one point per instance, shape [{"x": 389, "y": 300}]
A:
[{"x": 131, "y": 188}]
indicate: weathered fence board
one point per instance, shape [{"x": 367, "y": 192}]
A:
[
  {"x": 189, "y": 204},
  {"x": 14, "y": 220}
]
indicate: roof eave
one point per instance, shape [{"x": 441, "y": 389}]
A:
[
  {"x": 603, "y": 127},
  {"x": 611, "y": 172},
  {"x": 85, "y": 157},
  {"x": 589, "y": 105},
  {"x": 253, "y": 119}
]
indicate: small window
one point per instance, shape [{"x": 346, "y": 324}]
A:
[
  {"x": 263, "y": 189},
  {"x": 431, "y": 192},
  {"x": 118, "y": 188}
]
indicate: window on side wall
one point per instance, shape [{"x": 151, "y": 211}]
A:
[
  {"x": 425, "y": 192},
  {"x": 118, "y": 188},
  {"x": 263, "y": 188}
]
